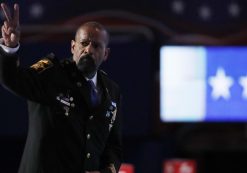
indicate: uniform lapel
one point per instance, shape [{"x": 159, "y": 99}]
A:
[
  {"x": 105, "y": 96},
  {"x": 79, "y": 82},
  {"x": 83, "y": 89}
]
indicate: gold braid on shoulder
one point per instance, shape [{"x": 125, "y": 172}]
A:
[{"x": 42, "y": 65}]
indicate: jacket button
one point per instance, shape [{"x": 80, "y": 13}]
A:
[
  {"x": 88, "y": 136},
  {"x": 88, "y": 155}
]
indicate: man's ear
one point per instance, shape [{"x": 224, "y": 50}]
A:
[
  {"x": 107, "y": 52},
  {"x": 72, "y": 46}
]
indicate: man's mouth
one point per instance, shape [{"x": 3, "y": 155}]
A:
[{"x": 87, "y": 66}]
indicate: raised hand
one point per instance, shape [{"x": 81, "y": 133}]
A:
[{"x": 11, "y": 26}]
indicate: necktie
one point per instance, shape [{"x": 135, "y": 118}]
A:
[{"x": 94, "y": 97}]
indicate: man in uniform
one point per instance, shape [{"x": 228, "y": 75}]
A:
[{"x": 74, "y": 108}]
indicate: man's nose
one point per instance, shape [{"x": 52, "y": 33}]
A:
[{"x": 89, "y": 49}]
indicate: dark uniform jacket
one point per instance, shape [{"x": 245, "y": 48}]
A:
[{"x": 65, "y": 134}]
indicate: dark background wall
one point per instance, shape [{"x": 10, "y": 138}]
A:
[{"x": 138, "y": 29}]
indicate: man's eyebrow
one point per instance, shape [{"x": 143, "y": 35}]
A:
[{"x": 84, "y": 39}]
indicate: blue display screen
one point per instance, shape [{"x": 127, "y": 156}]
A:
[{"x": 203, "y": 84}]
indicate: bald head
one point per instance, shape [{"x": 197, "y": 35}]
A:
[{"x": 96, "y": 26}]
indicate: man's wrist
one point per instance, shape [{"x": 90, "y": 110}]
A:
[{"x": 9, "y": 50}]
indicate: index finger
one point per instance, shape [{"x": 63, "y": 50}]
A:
[
  {"x": 6, "y": 11},
  {"x": 16, "y": 14}
]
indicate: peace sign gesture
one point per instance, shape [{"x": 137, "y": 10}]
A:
[{"x": 11, "y": 26}]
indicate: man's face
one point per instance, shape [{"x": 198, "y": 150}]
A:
[{"x": 91, "y": 41}]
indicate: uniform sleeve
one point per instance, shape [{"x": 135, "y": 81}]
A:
[
  {"x": 112, "y": 156},
  {"x": 25, "y": 82}
]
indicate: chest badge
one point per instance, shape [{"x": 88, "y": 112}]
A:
[
  {"x": 67, "y": 102},
  {"x": 112, "y": 112}
]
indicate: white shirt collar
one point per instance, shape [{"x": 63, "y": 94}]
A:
[{"x": 94, "y": 79}]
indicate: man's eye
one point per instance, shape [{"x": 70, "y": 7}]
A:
[{"x": 84, "y": 43}]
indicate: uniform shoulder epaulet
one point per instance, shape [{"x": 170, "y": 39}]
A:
[
  {"x": 44, "y": 63},
  {"x": 103, "y": 72}
]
